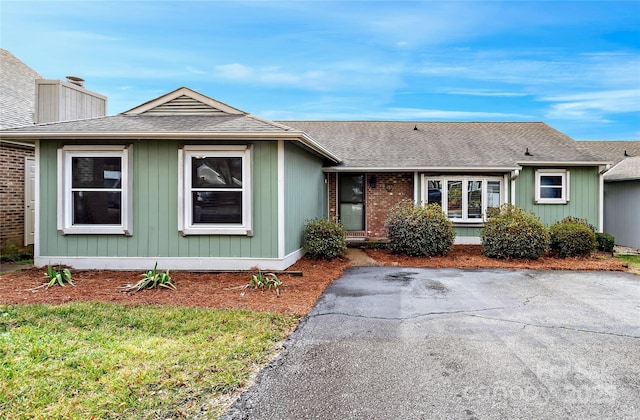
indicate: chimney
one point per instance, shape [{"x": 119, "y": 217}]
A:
[{"x": 78, "y": 81}]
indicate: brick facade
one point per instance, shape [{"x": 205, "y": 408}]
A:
[
  {"x": 378, "y": 200},
  {"x": 12, "y": 194}
]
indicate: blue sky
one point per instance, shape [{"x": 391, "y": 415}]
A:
[{"x": 574, "y": 65}]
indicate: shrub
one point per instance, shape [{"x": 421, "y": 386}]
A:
[
  {"x": 571, "y": 239},
  {"x": 572, "y": 219},
  {"x": 324, "y": 239},
  {"x": 513, "y": 233},
  {"x": 152, "y": 279},
  {"x": 265, "y": 281},
  {"x": 59, "y": 276},
  {"x": 419, "y": 230},
  {"x": 605, "y": 241}
]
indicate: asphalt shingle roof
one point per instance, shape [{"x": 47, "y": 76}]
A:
[
  {"x": 625, "y": 167},
  {"x": 396, "y": 144},
  {"x": 17, "y": 91},
  {"x": 157, "y": 124}
]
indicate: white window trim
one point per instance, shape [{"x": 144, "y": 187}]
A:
[
  {"x": 185, "y": 214},
  {"x": 564, "y": 173},
  {"x": 65, "y": 197},
  {"x": 465, "y": 179}
]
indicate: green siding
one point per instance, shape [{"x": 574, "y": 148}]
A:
[
  {"x": 305, "y": 193},
  {"x": 583, "y": 202},
  {"x": 467, "y": 231},
  {"x": 155, "y": 209}
]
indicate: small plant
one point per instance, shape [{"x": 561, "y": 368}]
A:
[
  {"x": 59, "y": 276},
  {"x": 152, "y": 279},
  {"x": 571, "y": 238},
  {"x": 324, "y": 239},
  {"x": 605, "y": 241},
  {"x": 419, "y": 231},
  {"x": 513, "y": 233},
  {"x": 265, "y": 281}
]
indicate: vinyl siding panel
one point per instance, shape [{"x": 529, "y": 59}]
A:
[
  {"x": 583, "y": 196},
  {"x": 305, "y": 193},
  {"x": 621, "y": 215},
  {"x": 155, "y": 209}
]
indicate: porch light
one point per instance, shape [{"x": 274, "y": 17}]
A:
[{"x": 373, "y": 182}]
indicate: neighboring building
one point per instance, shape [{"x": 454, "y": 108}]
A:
[
  {"x": 25, "y": 99},
  {"x": 192, "y": 183},
  {"x": 17, "y": 105},
  {"x": 621, "y": 189}
]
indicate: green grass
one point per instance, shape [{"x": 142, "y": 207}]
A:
[
  {"x": 632, "y": 260},
  {"x": 84, "y": 360}
]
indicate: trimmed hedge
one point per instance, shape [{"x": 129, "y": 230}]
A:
[
  {"x": 324, "y": 239},
  {"x": 419, "y": 230},
  {"x": 513, "y": 233},
  {"x": 605, "y": 241},
  {"x": 571, "y": 238}
]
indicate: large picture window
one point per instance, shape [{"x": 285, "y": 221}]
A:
[
  {"x": 464, "y": 199},
  {"x": 95, "y": 190},
  {"x": 552, "y": 186},
  {"x": 215, "y": 190}
]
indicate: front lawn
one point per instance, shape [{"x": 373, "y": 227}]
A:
[
  {"x": 99, "y": 360},
  {"x": 632, "y": 260}
]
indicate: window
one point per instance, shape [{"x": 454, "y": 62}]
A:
[
  {"x": 215, "y": 190},
  {"x": 94, "y": 190},
  {"x": 552, "y": 186},
  {"x": 464, "y": 199}
]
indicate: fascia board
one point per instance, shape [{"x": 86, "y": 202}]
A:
[
  {"x": 422, "y": 169},
  {"x": 563, "y": 164},
  {"x": 189, "y": 135}
]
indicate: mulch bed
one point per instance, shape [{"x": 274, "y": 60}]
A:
[{"x": 297, "y": 294}]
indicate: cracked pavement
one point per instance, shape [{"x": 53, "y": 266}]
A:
[{"x": 388, "y": 343}]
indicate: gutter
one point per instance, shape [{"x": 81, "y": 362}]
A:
[
  {"x": 566, "y": 163},
  {"x": 458, "y": 169}
]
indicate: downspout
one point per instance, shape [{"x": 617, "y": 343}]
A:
[
  {"x": 514, "y": 175},
  {"x": 416, "y": 192},
  {"x": 601, "y": 170}
]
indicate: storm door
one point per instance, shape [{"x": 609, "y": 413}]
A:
[{"x": 351, "y": 201}]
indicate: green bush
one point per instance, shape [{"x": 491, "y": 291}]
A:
[
  {"x": 570, "y": 238},
  {"x": 605, "y": 241},
  {"x": 513, "y": 233},
  {"x": 419, "y": 231},
  {"x": 324, "y": 239}
]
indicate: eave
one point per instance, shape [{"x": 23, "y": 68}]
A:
[
  {"x": 448, "y": 169},
  {"x": 303, "y": 138}
]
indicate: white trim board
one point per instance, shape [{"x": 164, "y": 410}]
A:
[{"x": 171, "y": 263}]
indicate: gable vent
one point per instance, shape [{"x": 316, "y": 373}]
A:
[{"x": 184, "y": 105}]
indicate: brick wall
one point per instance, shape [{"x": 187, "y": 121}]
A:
[
  {"x": 12, "y": 193},
  {"x": 378, "y": 200}
]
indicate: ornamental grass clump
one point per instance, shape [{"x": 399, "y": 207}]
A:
[
  {"x": 324, "y": 239},
  {"x": 513, "y": 233},
  {"x": 572, "y": 238},
  {"x": 419, "y": 230}
]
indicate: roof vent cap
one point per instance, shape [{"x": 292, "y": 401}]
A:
[{"x": 78, "y": 81}]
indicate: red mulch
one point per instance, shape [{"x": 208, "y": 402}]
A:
[
  {"x": 224, "y": 290},
  {"x": 470, "y": 256}
]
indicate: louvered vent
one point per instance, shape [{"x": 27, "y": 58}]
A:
[{"x": 184, "y": 105}]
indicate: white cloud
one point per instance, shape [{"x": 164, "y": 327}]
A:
[
  {"x": 593, "y": 105},
  {"x": 484, "y": 92}
]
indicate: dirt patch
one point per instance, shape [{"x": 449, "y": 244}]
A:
[{"x": 223, "y": 290}]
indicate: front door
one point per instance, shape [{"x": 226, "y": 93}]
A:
[{"x": 351, "y": 196}]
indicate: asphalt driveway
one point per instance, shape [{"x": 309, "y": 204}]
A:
[{"x": 405, "y": 343}]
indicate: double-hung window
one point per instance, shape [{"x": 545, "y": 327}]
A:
[
  {"x": 464, "y": 199},
  {"x": 552, "y": 186},
  {"x": 94, "y": 184},
  {"x": 215, "y": 190}
]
